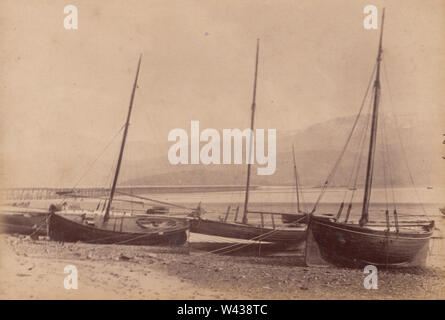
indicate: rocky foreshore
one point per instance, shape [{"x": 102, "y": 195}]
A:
[{"x": 34, "y": 269}]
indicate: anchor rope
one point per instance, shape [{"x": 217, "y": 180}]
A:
[{"x": 256, "y": 238}]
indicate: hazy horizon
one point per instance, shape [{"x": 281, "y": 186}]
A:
[{"x": 64, "y": 94}]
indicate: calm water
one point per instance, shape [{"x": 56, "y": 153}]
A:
[{"x": 283, "y": 199}]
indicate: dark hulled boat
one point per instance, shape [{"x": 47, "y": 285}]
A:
[
  {"x": 119, "y": 230},
  {"x": 247, "y": 231},
  {"x": 356, "y": 244},
  {"x": 289, "y": 218},
  {"x": 26, "y": 221},
  {"x": 23, "y": 221},
  {"x": 109, "y": 229},
  {"x": 351, "y": 244}
]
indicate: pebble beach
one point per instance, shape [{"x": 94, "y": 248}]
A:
[{"x": 34, "y": 269}]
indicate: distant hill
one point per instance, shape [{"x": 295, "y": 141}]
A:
[{"x": 317, "y": 148}]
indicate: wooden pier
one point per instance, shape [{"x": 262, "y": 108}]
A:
[{"x": 95, "y": 192}]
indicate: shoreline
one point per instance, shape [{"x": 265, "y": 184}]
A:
[{"x": 34, "y": 269}]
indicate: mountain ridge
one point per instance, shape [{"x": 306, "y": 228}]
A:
[{"x": 317, "y": 148}]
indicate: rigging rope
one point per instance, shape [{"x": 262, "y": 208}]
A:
[
  {"x": 97, "y": 158},
  {"x": 356, "y": 165},
  {"x": 390, "y": 164},
  {"x": 385, "y": 178},
  {"x": 153, "y": 200},
  {"x": 302, "y": 202},
  {"x": 401, "y": 143},
  {"x": 362, "y": 148},
  {"x": 94, "y": 161},
  {"x": 334, "y": 169},
  {"x": 257, "y": 238}
]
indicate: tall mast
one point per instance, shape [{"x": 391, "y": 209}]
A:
[
  {"x": 124, "y": 138},
  {"x": 296, "y": 180},
  {"x": 252, "y": 120},
  {"x": 372, "y": 143}
]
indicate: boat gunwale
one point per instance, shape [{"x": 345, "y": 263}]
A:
[
  {"x": 91, "y": 228},
  {"x": 370, "y": 232},
  {"x": 250, "y": 226}
]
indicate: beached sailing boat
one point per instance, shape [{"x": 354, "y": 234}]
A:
[
  {"x": 300, "y": 216},
  {"x": 134, "y": 230},
  {"x": 365, "y": 242},
  {"x": 25, "y": 221},
  {"x": 244, "y": 230}
]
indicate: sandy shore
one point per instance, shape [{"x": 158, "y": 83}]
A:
[{"x": 34, "y": 269}]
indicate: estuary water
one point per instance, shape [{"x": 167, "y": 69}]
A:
[{"x": 411, "y": 204}]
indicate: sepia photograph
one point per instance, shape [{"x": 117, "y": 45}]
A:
[{"x": 222, "y": 150}]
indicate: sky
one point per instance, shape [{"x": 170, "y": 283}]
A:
[{"x": 65, "y": 93}]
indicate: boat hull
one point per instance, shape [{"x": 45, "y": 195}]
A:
[
  {"x": 294, "y": 218},
  {"x": 353, "y": 245},
  {"x": 26, "y": 223},
  {"x": 124, "y": 230},
  {"x": 247, "y": 232}
]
